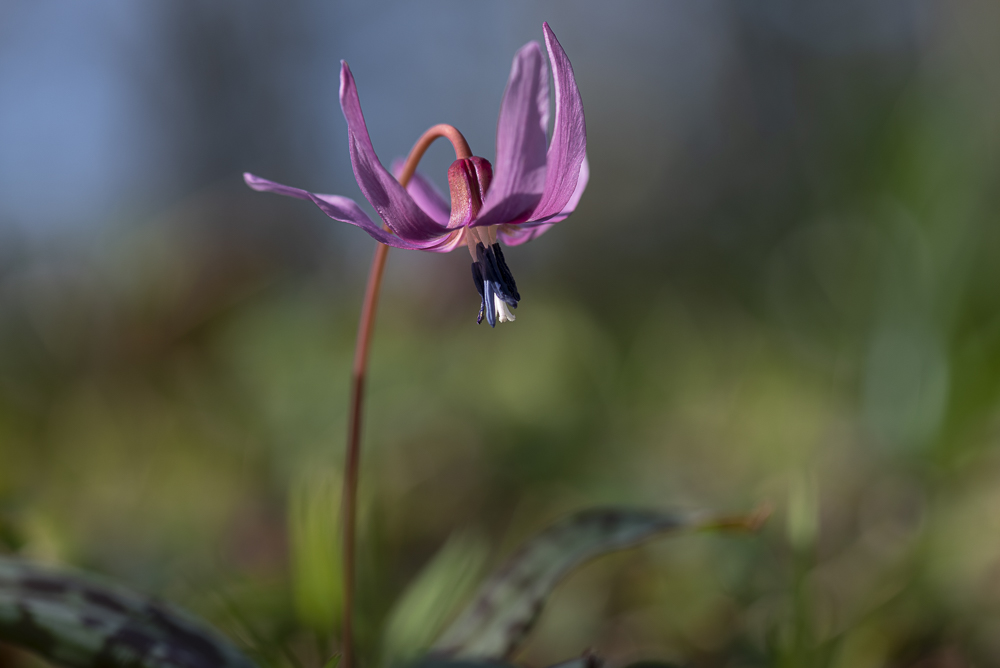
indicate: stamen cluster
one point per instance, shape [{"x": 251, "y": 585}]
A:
[{"x": 496, "y": 286}]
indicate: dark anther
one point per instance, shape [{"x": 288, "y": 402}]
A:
[
  {"x": 477, "y": 278},
  {"x": 505, "y": 275},
  {"x": 491, "y": 272},
  {"x": 493, "y": 280}
]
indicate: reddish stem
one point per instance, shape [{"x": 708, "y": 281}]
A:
[{"x": 366, "y": 326}]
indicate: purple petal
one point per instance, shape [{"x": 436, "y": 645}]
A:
[
  {"x": 425, "y": 194},
  {"x": 265, "y": 186},
  {"x": 448, "y": 243},
  {"x": 569, "y": 135},
  {"x": 515, "y": 235},
  {"x": 345, "y": 210},
  {"x": 390, "y": 200},
  {"x": 574, "y": 200},
  {"x": 519, "y": 169}
]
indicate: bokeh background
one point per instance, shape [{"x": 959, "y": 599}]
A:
[{"x": 782, "y": 285}]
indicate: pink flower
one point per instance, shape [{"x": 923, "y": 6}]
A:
[{"x": 534, "y": 184}]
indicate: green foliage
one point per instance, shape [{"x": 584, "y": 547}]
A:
[
  {"x": 81, "y": 623},
  {"x": 314, "y": 530},
  {"x": 11, "y": 534},
  {"x": 433, "y": 597}
]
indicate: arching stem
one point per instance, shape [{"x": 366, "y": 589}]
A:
[{"x": 366, "y": 326}]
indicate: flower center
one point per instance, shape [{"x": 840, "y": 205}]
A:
[{"x": 469, "y": 179}]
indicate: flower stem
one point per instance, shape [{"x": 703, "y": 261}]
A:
[{"x": 366, "y": 326}]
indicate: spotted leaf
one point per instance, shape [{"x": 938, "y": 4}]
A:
[
  {"x": 76, "y": 621},
  {"x": 507, "y": 605}
]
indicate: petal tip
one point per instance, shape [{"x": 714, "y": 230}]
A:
[
  {"x": 533, "y": 45},
  {"x": 551, "y": 41},
  {"x": 345, "y": 79}
]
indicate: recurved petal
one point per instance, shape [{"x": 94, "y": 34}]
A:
[
  {"x": 425, "y": 194},
  {"x": 569, "y": 135},
  {"x": 574, "y": 200},
  {"x": 519, "y": 169},
  {"x": 515, "y": 235},
  {"x": 345, "y": 210},
  {"x": 396, "y": 207},
  {"x": 265, "y": 186}
]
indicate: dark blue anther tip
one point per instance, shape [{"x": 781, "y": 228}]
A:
[
  {"x": 491, "y": 312},
  {"x": 493, "y": 278},
  {"x": 477, "y": 280},
  {"x": 508, "y": 278}
]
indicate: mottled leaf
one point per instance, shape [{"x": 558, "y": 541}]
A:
[
  {"x": 80, "y": 622},
  {"x": 507, "y": 605}
]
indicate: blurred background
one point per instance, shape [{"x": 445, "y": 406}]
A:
[{"x": 781, "y": 285}]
